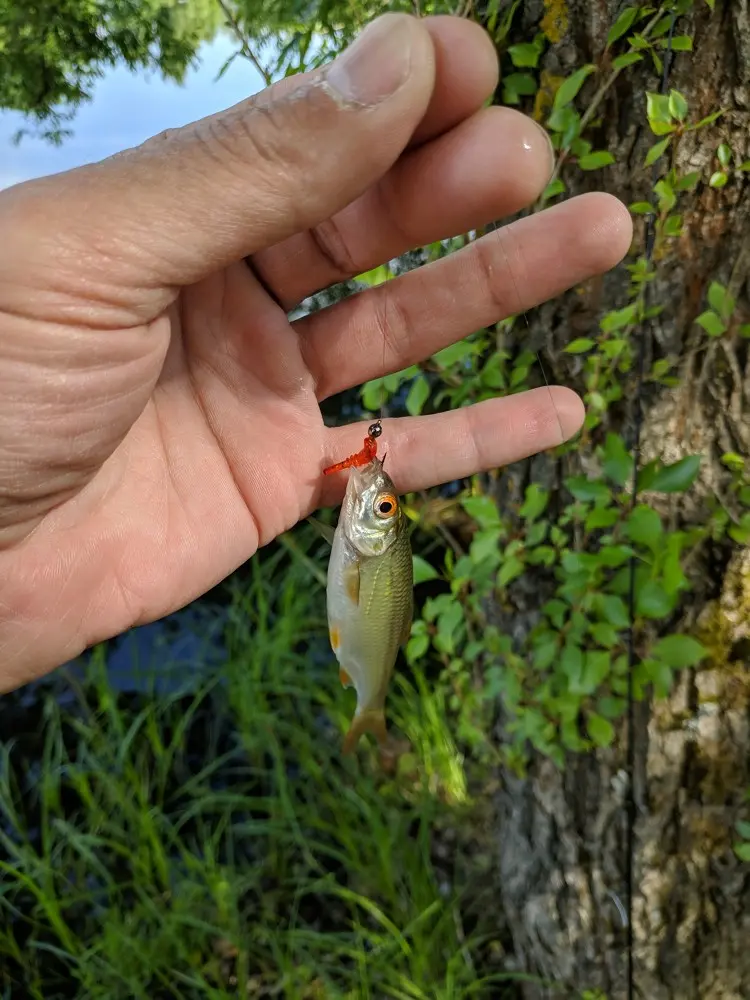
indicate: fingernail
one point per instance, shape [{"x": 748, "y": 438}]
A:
[
  {"x": 550, "y": 147},
  {"x": 376, "y": 65}
]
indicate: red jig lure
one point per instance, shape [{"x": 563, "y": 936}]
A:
[{"x": 366, "y": 454}]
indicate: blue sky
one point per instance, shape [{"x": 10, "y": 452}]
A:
[{"x": 125, "y": 110}]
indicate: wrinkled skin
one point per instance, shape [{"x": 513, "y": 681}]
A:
[{"x": 159, "y": 415}]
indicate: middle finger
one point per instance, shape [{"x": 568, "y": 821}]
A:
[{"x": 491, "y": 165}]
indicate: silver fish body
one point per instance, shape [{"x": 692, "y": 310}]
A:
[{"x": 370, "y": 594}]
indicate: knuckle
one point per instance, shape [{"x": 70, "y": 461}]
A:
[{"x": 495, "y": 282}]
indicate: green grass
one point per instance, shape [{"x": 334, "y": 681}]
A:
[{"x": 216, "y": 844}]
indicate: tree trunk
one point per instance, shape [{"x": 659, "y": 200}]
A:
[{"x": 562, "y": 857}]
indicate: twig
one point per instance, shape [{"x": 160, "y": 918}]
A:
[{"x": 244, "y": 44}]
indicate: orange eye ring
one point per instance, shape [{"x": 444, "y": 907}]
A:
[{"x": 385, "y": 506}]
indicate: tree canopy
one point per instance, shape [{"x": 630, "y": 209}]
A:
[{"x": 53, "y": 51}]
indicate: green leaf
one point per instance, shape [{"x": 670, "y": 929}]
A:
[
  {"x": 682, "y": 43},
  {"x": 644, "y": 526},
  {"x": 711, "y": 323},
  {"x": 678, "y": 477},
  {"x": 611, "y": 708},
  {"x": 535, "y": 501},
  {"x": 742, "y": 851},
  {"x": 483, "y": 510},
  {"x": 667, "y": 197},
  {"x": 709, "y": 119},
  {"x": 571, "y": 664},
  {"x": 418, "y": 395},
  {"x": 526, "y": 54},
  {"x": 605, "y": 634},
  {"x": 593, "y": 161},
  {"x": 554, "y": 188},
  {"x": 456, "y": 352},
  {"x": 679, "y": 651},
  {"x": 614, "y": 609},
  {"x": 627, "y": 59},
  {"x": 618, "y": 462},
  {"x": 617, "y": 319},
  {"x": 656, "y": 151},
  {"x": 642, "y": 208},
  {"x": 376, "y": 276},
  {"x": 510, "y": 569},
  {"x": 423, "y": 570},
  {"x": 718, "y": 179},
  {"x": 724, "y": 153},
  {"x": 743, "y": 828},
  {"x": 417, "y": 646},
  {"x": 545, "y": 653},
  {"x": 601, "y": 517},
  {"x": 652, "y": 600},
  {"x": 485, "y": 545},
  {"x": 720, "y": 300},
  {"x": 678, "y": 107},
  {"x": 585, "y": 489},
  {"x": 623, "y": 24},
  {"x": 517, "y": 85},
  {"x": 688, "y": 181},
  {"x": 568, "y": 89},
  {"x": 579, "y": 345},
  {"x": 556, "y": 611},
  {"x": 536, "y": 532},
  {"x": 657, "y": 109},
  {"x": 673, "y": 225},
  {"x": 614, "y": 555},
  {"x": 601, "y": 730}
]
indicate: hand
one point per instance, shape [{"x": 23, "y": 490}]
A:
[{"x": 159, "y": 415}]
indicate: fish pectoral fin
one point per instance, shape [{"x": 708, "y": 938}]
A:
[
  {"x": 324, "y": 530},
  {"x": 351, "y": 582},
  {"x": 372, "y": 721}
]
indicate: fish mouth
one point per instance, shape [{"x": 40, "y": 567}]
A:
[{"x": 364, "y": 475}]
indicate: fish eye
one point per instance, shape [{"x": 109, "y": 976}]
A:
[{"x": 385, "y": 505}]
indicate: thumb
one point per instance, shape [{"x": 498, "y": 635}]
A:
[{"x": 185, "y": 203}]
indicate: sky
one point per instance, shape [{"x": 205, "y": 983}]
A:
[{"x": 126, "y": 109}]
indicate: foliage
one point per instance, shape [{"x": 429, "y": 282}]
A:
[
  {"x": 53, "y": 51},
  {"x": 177, "y": 845}
]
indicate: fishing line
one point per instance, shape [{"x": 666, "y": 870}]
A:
[
  {"x": 498, "y": 230},
  {"x": 631, "y": 811}
]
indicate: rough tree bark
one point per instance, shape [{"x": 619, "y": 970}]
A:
[{"x": 561, "y": 853}]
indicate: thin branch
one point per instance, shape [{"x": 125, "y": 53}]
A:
[{"x": 244, "y": 44}]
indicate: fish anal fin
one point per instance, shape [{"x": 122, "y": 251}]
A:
[
  {"x": 345, "y": 678},
  {"x": 373, "y": 722}
]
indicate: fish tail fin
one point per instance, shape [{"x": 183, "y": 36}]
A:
[{"x": 371, "y": 721}]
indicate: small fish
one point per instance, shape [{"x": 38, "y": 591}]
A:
[{"x": 370, "y": 594}]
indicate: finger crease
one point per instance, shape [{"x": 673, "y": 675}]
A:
[{"x": 332, "y": 247}]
